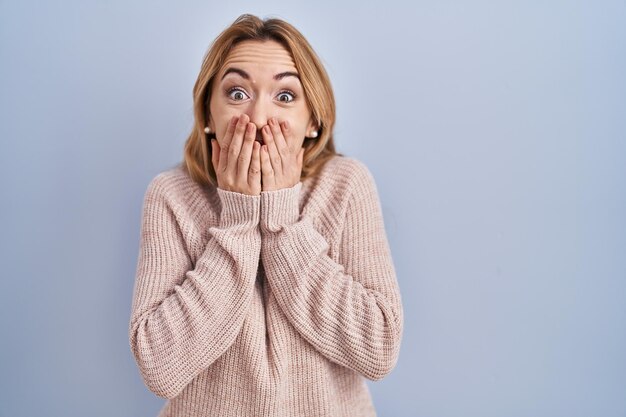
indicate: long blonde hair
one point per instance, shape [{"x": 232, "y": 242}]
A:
[{"x": 317, "y": 91}]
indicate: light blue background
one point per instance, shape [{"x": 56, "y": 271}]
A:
[{"x": 496, "y": 132}]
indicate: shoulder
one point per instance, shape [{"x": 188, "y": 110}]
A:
[
  {"x": 340, "y": 185},
  {"x": 174, "y": 203},
  {"x": 175, "y": 188},
  {"x": 348, "y": 176}
]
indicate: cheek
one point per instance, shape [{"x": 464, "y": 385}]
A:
[
  {"x": 220, "y": 117},
  {"x": 299, "y": 130},
  {"x": 297, "y": 124},
  {"x": 221, "y": 123},
  {"x": 297, "y": 135},
  {"x": 300, "y": 133}
]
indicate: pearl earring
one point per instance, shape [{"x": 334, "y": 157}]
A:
[
  {"x": 314, "y": 134},
  {"x": 207, "y": 130}
]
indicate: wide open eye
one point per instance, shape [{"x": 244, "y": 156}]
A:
[
  {"x": 237, "y": 94},
  {"x": 287, "y": 94}
]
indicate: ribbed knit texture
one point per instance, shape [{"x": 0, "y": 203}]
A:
[{"x": 271, "y": 305}]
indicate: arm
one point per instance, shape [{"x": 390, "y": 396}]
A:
[
  {"x": 350, "y": 312},
  {"x": 184, "y": 317}
]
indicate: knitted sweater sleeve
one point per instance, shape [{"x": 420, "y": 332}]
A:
[
  {"x": 351, "y": 312},
  {"x": 185, "y": 316}
]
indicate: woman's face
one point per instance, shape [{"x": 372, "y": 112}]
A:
[{"x": 261, "y": 80}]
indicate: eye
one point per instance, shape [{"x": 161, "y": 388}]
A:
[
  {"x": 236, "y": 94},
  {"x": 286, "y": 93}
]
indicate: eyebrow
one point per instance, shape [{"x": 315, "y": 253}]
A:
[{"x": 245, "y": 75}]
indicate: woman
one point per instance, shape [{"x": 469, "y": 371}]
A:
[{"x": 265, "y": 284}]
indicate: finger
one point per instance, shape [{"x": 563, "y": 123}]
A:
[
  {"x": 254, "y": 174},
  {"x": 235, "y": 145},
  {"x": 279, "y": 139},
  {"x": 273, "y": 153},
  {"x": 243, "y": 161},
  {"x": 266, "y": 169},
  {"x": 230, "y": 131}
]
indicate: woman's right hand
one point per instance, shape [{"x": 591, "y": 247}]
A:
[{"x": 237, "y": 162}]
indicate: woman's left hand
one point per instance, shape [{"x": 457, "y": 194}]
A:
[{"x": 281, "y": 164}]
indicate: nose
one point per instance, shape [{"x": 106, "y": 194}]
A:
[{"x": 258, "y": 113}]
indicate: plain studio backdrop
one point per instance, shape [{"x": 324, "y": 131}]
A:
[{"x": 496, "y": 132}]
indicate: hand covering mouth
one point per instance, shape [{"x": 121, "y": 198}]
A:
[{"x": 259, "y": 137}]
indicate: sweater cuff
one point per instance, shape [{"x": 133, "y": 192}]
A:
[
  {"x": 239, "y": 208},
  {"x": 280, "y": 208}
]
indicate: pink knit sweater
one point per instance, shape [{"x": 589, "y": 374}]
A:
[{"x": 271, "y": 305}]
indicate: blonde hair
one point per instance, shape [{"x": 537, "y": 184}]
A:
[{"x": 317, "y": 91}]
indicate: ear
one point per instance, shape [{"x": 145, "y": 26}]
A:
[
  {"x": 209, "y": 122},
  {"x": 312, "y": 125}
]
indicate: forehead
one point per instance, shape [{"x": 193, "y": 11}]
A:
[{"x": 259, "y": 56}]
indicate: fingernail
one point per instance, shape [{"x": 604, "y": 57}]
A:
[{"x": 286, "y": 125}]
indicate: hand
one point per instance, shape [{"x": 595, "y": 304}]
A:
[
  {"x": 237, "y": 163},
  {"x": 281, "y": 164}
]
